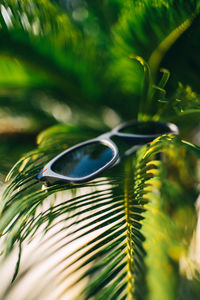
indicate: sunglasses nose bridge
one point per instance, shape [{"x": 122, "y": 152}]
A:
[{"x": 105, "y": 138}]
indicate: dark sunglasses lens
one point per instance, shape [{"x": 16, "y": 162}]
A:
[
  {"x": 146, "y": 128},
  {"x": 84, "y": 160}
]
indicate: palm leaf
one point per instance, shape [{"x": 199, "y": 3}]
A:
[
  {"x": 182, "y": 108},
  {"x": 101, "y": 13},
  {"x": 138, "y": 33},
  {"x": 109, "y": 214},
  {"x": 56, "y": 55},
  {"x": 187, "y": 41},
  {"x": 65, "y": 60},
  {"x": 21, "y": 76}
]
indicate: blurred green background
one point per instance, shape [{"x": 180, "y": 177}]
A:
[{"x": 72, "y": 62}]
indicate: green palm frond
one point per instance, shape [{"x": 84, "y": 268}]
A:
[
  {"x": 138, "y": 33},
  {"x": 21, "y": 77},
  {"x": 119, "y": 217},
  {"x": 179, "y": 59},
  {"x": 138, "y": 27},
  {"x": 50, "y": 45},
  {"x": 66, "y": 60},
  {"x": 56, "y": 55},
  {"x": 101, "y": 13}
]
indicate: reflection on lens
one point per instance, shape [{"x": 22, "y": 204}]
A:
[
  {"x": 83, "y": 161},
  {"x": 147, "y": 128}
]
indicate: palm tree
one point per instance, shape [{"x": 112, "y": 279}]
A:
[{"x": 82, "y": 67}]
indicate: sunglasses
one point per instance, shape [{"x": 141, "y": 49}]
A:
[{"x": 85, "y": 161}]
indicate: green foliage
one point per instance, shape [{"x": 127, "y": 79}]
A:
[
  {"x": 130, "y": 215},
  {"x": 123, "y": 235}
]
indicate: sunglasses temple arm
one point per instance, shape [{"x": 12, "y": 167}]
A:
[{"x": 127, "y": 153}]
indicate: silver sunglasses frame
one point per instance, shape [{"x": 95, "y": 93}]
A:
[{"x": 138, "y": 140}]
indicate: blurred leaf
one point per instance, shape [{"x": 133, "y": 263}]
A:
[
  {"x": 36, "y": 37},
  {"x": 184, "y": 55},
  {"x": 148, "y": 29},
  {"x": 182, "y": 108},
  {"x": 21, "y": 77}
]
